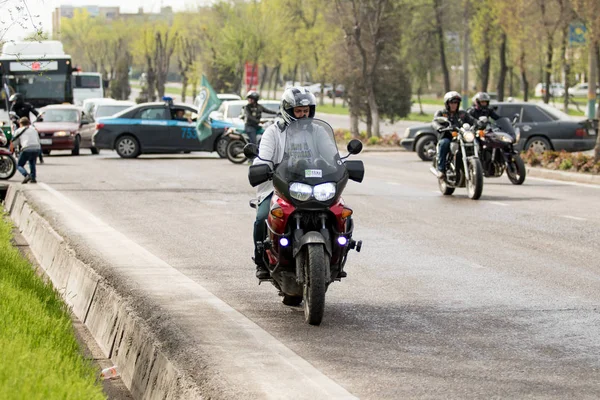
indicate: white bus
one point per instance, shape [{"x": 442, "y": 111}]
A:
[{"x": 87, "y": 85}]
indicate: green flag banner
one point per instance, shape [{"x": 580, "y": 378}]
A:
[{"x": 207, "y": 103}]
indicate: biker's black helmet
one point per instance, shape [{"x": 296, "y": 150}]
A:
[
  {"x": 297, "y": 97},
  {"x": 253, "y": 95},
  {"x": 16, "y": 98},
  {"x": 482, "y": 96},
  {"x": 450, "y": 96}
]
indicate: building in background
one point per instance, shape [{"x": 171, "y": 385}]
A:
[{"x": 109, "y": 14}]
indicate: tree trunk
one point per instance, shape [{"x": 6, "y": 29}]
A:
[
  {"x": 548, "y": 69},
  {"x": 485, "y": 73},
  {"x": 184, "y": 85},
  {"x": 369, "y": 121},
  {"x": 262, "y": 81},
  {"x": 333, "y": 92},
  {"x": 566, "y": 67},
  {"x": 524, "y": 81},
  {"x": 511, "y": 88},
  {"x": 441, "y": 43},
  {"x": 503, "y": 68}
]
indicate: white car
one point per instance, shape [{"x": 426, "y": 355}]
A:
[
  {"x": 581, "y": 90},
  {"x": 316, "y": 89},
  {"x": 231, "y": 111},
  {"x": 556, "y": 89},
  {"x": 88, "y": 104},
  {"x": 108, "y": 109}
]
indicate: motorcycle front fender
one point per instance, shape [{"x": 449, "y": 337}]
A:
[{"x": 311, "y": 237}]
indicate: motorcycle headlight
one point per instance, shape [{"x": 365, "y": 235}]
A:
[
  {"x": 507, "y": 139},
  {"x": 61, "y": 133},
  {"x": 324, "y": 191},
  {"x": 301, "y": 191},
  {"x": 469, "y": 136},
  {"x": 518, "y": 133}
]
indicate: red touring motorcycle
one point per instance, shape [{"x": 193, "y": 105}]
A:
[{"x": 309, "y": 226}]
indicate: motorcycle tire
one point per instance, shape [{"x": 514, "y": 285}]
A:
[
  {"x": 235, "y": 151},
  {"x": 444, "y": 188},
  {"x": 475, "y": 182},
  {"x": 315, "y": 285},
  {"x": 518, "y": 176},
  {"x": 8, "y": 167}
]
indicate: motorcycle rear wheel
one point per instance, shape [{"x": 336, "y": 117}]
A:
[
  {"x": 315, "y": 284},
  {"x": 475, "y": 181},
  {"x": 517, "y": 172},
  {"x": 8, "y": 166},
  {"x": 235, "y": 151}
]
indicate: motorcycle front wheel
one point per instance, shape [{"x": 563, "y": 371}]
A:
[
  {"x": 516, "y": 170},
  {"x": 8, "y": 166},
  {"x": 475, "y": 181},
  {"x": 315, "y": 284},
  {"x": 235, "y": 151}
]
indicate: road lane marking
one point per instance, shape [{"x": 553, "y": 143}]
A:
[
  {"x": 566, "y": 182},
  {"x": 284, "y": 371},
  {"x": 575, "y": 218},
  {"x": 498, "y": 203},
  {"x": 393, "y": 183}
]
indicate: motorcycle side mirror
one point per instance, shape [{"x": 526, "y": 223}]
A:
[
  {"x": 258, "y": 174},
  {"x": 442, "y": 120},
  {"x": 516, "y": 118},
  {"x": 251, "y": 150},
  {"x": 355, "y": 146},
  {"x": 356, "y": 170}
]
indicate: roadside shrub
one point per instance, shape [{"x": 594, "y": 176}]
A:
[
  {"x": 575, "y": 162},
  {"x": 373, "y": 140}
]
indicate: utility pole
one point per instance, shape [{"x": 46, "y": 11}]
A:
[{"x": 465, "y": 62}]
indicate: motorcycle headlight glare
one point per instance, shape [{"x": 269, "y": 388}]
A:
[
  {"x": 469, "y": 136},
  {"x": 301, "y": 191},
  {"x": 518, "y": 133},
  {"x": 507, "y": 139},
  {"x": 324, "y": 191}
]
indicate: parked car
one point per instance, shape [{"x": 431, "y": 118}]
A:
[
  {"x": 316, "y": 89},
  {"x": 581, "y": 90},
  {"x": 64, "y": 127},
  {"x": 107, "y": 109},
  {"x": 339, "y": 91},
  {"x": 152, "y": 128},
  {"x": 556, "y": 89},
  {"x": 542, "y": 128},
  {"x": 228, "y": 97},
  {"x": 88, "y": 104}
]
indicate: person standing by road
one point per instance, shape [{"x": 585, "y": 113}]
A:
[{"x": 29, "y": 140}]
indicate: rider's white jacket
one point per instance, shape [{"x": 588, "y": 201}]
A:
[{"x": 272, "y": 147}]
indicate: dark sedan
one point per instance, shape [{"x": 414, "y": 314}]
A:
[
  {"x": 152, "y": 128},
  {"x": 542, "y": 128}
]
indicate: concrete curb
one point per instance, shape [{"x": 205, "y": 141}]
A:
[
  {"x": 122, "y": 336},
  {"x": 563, "y": 175}
]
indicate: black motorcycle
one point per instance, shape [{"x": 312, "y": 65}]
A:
[
  {"x": 497, "y": 141},
  {"x": 463, "y": 168}
]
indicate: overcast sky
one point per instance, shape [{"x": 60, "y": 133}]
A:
[{"x": 41, "y": 12}]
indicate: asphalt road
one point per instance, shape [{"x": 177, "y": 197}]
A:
[{"x": 449, "y": 298}]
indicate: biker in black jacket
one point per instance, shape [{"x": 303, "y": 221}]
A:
[
  {"x": 252, "y": 114},
  {"x": 20, "y": 107},
  {"x": 481, "y": 107},
  {"x": 457, "y": 118}
]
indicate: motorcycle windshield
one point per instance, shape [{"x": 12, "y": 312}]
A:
[
  {"x": 311, "y": 155},
  {"x": 505, "y": 126}
]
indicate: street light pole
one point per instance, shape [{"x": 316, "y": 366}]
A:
[{"x": 465, "y": 62}]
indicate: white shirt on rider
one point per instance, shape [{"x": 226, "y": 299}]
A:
[{"x": 272, "y": 147}]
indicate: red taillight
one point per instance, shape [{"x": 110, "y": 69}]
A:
[
  {"x": 580, "y": 132},
  {"x": 99, "y": 125}
]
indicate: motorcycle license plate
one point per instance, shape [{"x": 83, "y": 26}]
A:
[{"x": 45, "y": 141}]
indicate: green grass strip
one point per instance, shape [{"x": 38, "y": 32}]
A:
[
  {"x": 340, "y": 110},
  {"x": 39, "y": 357}
]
